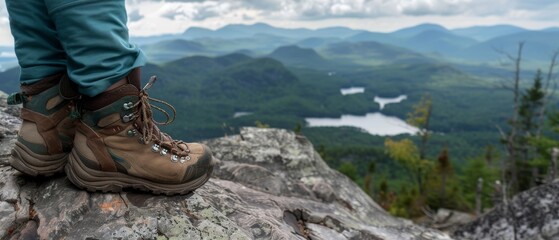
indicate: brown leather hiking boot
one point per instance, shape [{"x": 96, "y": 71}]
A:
[
  {"x": 118, "y": 145},
  {"x": 47, "y": 132}
]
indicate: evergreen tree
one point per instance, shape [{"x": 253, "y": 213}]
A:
[
  {"x": 480, "y": 168},
  {"x": 368, "y": 184},
  {"x": 545, "y": 145},
  {"x": 529, "y": 112},
  {"x": 445, "y": 171},
  {"x": 349, "y": 170}
]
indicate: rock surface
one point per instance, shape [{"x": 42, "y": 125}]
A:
[
  {"x": 269, "y": 184},
  {"x": 533, "y": 214}
]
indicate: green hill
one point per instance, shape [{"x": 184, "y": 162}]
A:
[{"x": 299, "y": 57}]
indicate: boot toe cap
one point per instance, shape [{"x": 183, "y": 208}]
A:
[{"x": 204, "y": 164}]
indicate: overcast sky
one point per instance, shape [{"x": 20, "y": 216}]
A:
[{"x": 153, "y": 17}]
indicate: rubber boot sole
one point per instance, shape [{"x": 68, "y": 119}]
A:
[
  {"x": 30, "y": 163},
  {"x": 94, "y": 180}
]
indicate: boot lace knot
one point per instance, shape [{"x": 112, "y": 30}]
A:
[{"x": 163, "y": 143}]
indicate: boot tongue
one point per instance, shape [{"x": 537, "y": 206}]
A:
[
  {"x": 132, "y": 88},
  {"x": 134, "y": 78}
]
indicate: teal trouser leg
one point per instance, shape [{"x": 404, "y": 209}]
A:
[
  {"x": 94, "y": 35},
  {"x": 36, "y": 44},
  {"x": 86, "y": 38}
]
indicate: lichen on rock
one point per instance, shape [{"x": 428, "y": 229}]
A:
[{"x": 533, "y": 214}]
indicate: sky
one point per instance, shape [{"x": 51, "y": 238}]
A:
[{"x": 156, "y": 17}]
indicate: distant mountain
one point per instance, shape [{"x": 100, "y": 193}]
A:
[
  {"x": 174, "y": 49},
  {"x": 370, "y": 52},
  {"x": 437, "y": 41},
  {"x": 316, "y": 42},
  {"x": 425, "y": 38},
  {"x": 299, "y": 57},
  {"x": 176, "y": 45},
  {"x": 8, "y": 63},
  {"x": 335, "y": 32},
  {"x": 376, "y": 37},
  {"x": 258, "y": 44},
  {"x": 198, "y": 32},
  {"x": 412, "y": 31},
  {"x": 7, "y": 58},
  {"x": 434, "y": 40},
  {"x": 9, "y": 80},
  {"x": 234, "y": 31},
  {"x": 551, "y": 29},
  {"x": 146, "y": 40},
  {"x": 484, "y": 33},
  {"x": 539, "y": 45},
  {"x": 246, "y": 52}
]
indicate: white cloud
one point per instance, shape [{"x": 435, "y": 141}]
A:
[
  {"x": 153, "y": 17},
  {"x": 5, "y": 34},
  {"x": 434, "y": 7}
]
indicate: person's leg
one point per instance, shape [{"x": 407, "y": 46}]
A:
[
  {"x": 47, "y": 132},
  {"x": 94, "y": 36},
  {"x": 117, "y": 144},
  {"x": 36, "y": 43}
]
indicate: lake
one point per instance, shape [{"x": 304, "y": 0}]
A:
[
  {"x": 352, "y": 90},
  {"x": 240, "y": 114},
  {"x": 373, "y": 123},
  {"x": 383, "y": 101}
]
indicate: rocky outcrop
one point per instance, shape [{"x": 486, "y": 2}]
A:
[
  {"x": 269, "y": 184},
  {"x": 533, "y": 214}
]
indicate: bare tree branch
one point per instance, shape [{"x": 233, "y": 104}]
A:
[
  {"x": 510, "y": 137},
  {"x": 550, "y": 78}
]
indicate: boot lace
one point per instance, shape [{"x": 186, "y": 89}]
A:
[{"x": 148, "y": 125}]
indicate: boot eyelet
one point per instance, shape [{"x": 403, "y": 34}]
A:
[
  {"x": 155, "y": 148},
  {"x": 163, "y": 152},
  {"x": 127, "y": 106},
  {"x": 128, "y": 117},
  {"x": 174, "y": 158},
  {"x": 132, "y": 132},
  {"x": 183, "y": 159}
]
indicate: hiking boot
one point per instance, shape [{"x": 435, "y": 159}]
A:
[
  {"x": 118, "y": 145},
  {"x": 47, "y": 131}
]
